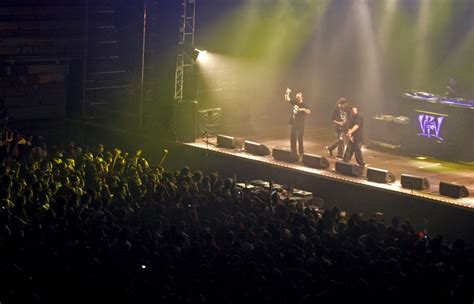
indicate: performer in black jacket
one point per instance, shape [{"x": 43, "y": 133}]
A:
[
  {"x": 299, "y": 110},
  {"x": 339, "y": 119},
  {"x": 356, "y": 137}
]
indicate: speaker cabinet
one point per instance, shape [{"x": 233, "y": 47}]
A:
[
  {"x": 453, "y": 190},
  {"x": 256, "y": 148},
  {"x": 186, "y": 121},
  {"x": 225, "y": 141},
  {"x": 285, "y": 155},
  {"x": 315, "y": 161},
  {"x": 380, "y": 175},
  {"x": 348, "y": 169},
  {"x": 414, "y": 182}
]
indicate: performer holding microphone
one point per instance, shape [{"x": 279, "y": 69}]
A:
[{"x": 299, "y": 110}]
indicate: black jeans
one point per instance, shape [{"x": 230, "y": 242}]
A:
[
  {"x": 297, "y": 132},
  {"x": 339, "y": 143},
  {"x": 354, "y": 147}
]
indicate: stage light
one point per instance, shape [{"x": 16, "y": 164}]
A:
[
  {"x": 200, "y": 56},
  {"x": 194, "y": 54}
]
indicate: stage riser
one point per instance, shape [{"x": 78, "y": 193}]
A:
[{"x": 443, "y": 218}]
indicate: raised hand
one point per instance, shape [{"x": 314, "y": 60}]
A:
[{"x": 287, "y": 94}]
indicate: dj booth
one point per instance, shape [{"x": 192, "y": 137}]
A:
[{"x": 429, "y": 124}]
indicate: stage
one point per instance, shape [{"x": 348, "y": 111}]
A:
[{"x": 316, "y": 140}]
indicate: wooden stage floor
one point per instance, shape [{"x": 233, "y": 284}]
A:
[{"x": 315, "y": 141}]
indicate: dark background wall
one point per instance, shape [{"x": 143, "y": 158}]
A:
[{"x": 369, "y": 51}]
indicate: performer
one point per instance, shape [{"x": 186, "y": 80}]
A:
[
  {"x": 356, "y": 137},
  {"x": 298, "y": 114},
  {"x": 451, "y": 90},
  {"x": 339, "y": 119}
]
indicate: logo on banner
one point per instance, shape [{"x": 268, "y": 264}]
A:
[{"x": 430, "y": 125}]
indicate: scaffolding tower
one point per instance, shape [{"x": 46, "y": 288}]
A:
[{"x": 185, "y": 62}]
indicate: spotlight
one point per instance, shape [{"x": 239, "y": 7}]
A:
[
  {"x": 200, "y": 55},
  {"x": 194, "y": 54}
]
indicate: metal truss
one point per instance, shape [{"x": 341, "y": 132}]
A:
[{"x": 184, "y": 60}]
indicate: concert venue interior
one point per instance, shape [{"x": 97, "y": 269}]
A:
[{"x": 151, "y": 151}]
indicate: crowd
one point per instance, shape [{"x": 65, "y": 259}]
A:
[{"x": 80, "y": 225}]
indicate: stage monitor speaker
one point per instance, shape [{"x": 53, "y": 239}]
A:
[
  {"x": 225, "y": 141},
  {"x": 349, "y": 169},
  {"x": 315, "y": 161},
  {"x": 414, "y": 182},
  {"x": 186, "y": 121},
  {"x": 284, "y": 155},
  {"x": 256, "y": 148},
  {"x": 453, "y": 190},
  {"x": 380, "y": 175}
]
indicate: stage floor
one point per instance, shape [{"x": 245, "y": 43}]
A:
[{"x": 316, "y": 140}]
